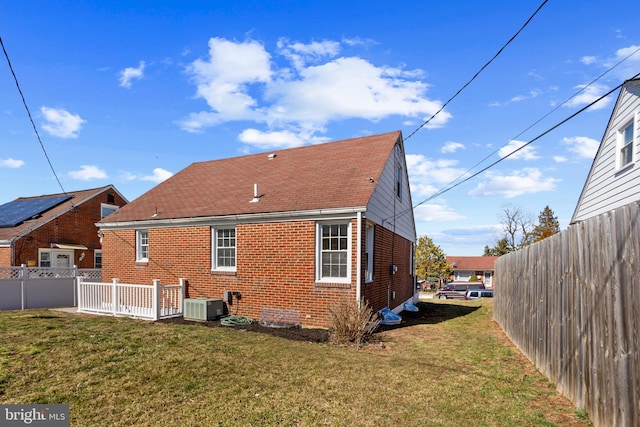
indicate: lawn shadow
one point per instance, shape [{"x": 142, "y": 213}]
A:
[{"x": 431, "y": 313}]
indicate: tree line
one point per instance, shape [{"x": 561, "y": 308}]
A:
[{"x": 519, "y": 230}]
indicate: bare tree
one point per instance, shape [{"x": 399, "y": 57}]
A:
[{"x": 517, "y": 226}]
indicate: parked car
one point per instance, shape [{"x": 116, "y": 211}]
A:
[
  {"x": 457, "y": 290},
  {"x": 478, "y": 293}
]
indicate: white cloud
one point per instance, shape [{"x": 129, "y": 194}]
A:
[
  {"x": 427, "y": 176},
  {"x": 631, "y": 62},
  {"x": 526, "y": 153},
  {"x": 283, "y": 139},
  {"x": 240, "y": 81},
  {"x": 532, "y": 94},
  {"x": 157, "y": 176},
  {"x": 88, "y": 173},
  {"x": 560, "y": 159},
  {"x": 11, "y": 163},
  {"x": 130, "y": 73},
  {"x": 583, "y": 146},
  {"x": 61, "y": 123},
  {"x": 518, "y": 183},
  {"x": 587, "y": 60},
  {"x": 588, "y": 95},
  {"x": 436, "y": 212},
  {"x": 452, "y": 147}
]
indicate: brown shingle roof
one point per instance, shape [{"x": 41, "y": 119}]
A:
[
  {"x": 472, "y": 262},
  {"x": 77, "y": 197},
  {"x": 322, "y": 176}
]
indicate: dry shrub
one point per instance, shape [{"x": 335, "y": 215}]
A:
[{"x": 352, "y": 323}]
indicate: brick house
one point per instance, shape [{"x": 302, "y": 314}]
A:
[
  {"x": 466, "y": 266},
  {"x": 56, "y": 230},
  {"x": 297, "y": 229}
]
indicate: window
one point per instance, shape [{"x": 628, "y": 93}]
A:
[
  {"x": 224, "y": 249},
  {"x": 45, "y": 259},
  {"x": 142, "y": 245},
  {"x": 55, "y": 258},
  {"x": 368, "y": 253},
  {"x": 334, "y": 262},
  {"x": 626, "y": 145},
  {"x": 399, "y": 182},
  {"x": 97, "y": 258},
  {"x": 107, "y": 209}
]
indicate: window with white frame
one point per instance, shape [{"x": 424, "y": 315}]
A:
[
  {"x": 55, "y": 258},
  {"x": 106, "y": 209},
  {"x": 334, "y": 248},
  {"x": 224, "y": 249},
  {"x": 368, "y": 253},
  {"x": 626, "y": 145},
  {"x": 142, "y": 245},
  {"x": 97, "y": 258}
]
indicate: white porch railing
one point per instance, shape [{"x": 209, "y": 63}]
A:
[{"x": 141, "y": 301}]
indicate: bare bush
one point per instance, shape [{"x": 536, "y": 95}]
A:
[{"x": 352, "y": 322}]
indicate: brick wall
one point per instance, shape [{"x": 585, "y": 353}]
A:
[
  {"x": 76, "y": 226},
  {"x": 5, "y": 257},
  {"x": 389, "y": 249},
  {"x": 275, "y": 267}
]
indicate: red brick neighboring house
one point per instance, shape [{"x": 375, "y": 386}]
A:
[
  {"x": 56, "y": 230},
  {"x": 466, "y": 266},
  {"x": 295, "y": 230}
]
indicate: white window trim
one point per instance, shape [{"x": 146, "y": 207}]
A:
[
  {"x": 97, "y": 252},
  {"x": 620, "y": 142},
  {"x": 52, "y": 253},
  {"x": 139, "y": 257},
  {"x": 319, "y": 278},
  {"x": 214, "y": 250},
  {"x": 369, "y": 243},
  {"x": 107, "y": 206}
]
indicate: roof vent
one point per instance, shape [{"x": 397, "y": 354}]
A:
[
  {"x": 271, "y": 156},
  {"x": 256, "y": 198}
]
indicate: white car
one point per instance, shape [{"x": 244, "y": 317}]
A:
[{"x": 478, "y": 293}]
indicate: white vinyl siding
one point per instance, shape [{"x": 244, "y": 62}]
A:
[
  {"x": 224, "y": 249},
  {"x": 333, "y": 257},
  {"x": 614, "y": 178}
]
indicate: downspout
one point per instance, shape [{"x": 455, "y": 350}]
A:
[{"x": 358, "y": 257}]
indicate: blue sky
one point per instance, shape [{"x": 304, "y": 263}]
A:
[{"x": 128, "y": 93}]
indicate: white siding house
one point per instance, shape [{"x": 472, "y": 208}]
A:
[{"x": 614, "y": 178}]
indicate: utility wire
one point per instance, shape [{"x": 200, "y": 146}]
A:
[
  {"x": 439, "y": 193},
  {"x": 465, "y": 173},
  {"x": 24, "y": 102},
  {"x": 479, "y": 71}
]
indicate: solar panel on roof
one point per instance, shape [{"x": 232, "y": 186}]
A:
[{"x": 18, "y": 211}]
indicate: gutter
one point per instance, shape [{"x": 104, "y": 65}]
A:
[{"x": 337, "y": 213}]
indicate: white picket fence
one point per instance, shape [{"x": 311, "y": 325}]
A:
[{"x": 150, "y": 302}]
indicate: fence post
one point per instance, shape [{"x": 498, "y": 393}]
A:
[
  {"x": 183, "y": 289},
  {"x": 75, "y": 294},
  {"x": 156, "y": 299},
  {"x": 114, "y": 295},
  {"x": 78, "y": 292},
  {"x": 24, "y": 275}
]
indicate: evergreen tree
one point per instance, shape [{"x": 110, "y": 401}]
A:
[
  {"x": 502, "y": 247},
  {"x": 431, "y": 261},
  {"x": 548, "y": 225}
]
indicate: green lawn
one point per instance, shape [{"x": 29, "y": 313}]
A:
[{"x": 452, "y": 367}]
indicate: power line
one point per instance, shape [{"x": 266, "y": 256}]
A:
[
  {"x": 478, "y": 72},
  {"x": 545, "y": 116},
  {"x": 24, "y": 102}
]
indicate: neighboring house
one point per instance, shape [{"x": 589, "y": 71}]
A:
[
  {"x": 56, "y": 230},
  {"x": 298, "y": 230},
  {"x": 614, "y": 178},
  {"x": 466, "y": 266}
]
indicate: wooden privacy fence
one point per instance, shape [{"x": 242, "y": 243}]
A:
[
  {"x": 151, "y": 302},
  {"x": 571, "y": 303}
]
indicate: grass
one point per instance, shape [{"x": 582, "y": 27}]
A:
[{"x": 451, "y": 368}]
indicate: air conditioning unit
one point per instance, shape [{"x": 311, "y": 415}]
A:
[{"x": 203, "y": 308}]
